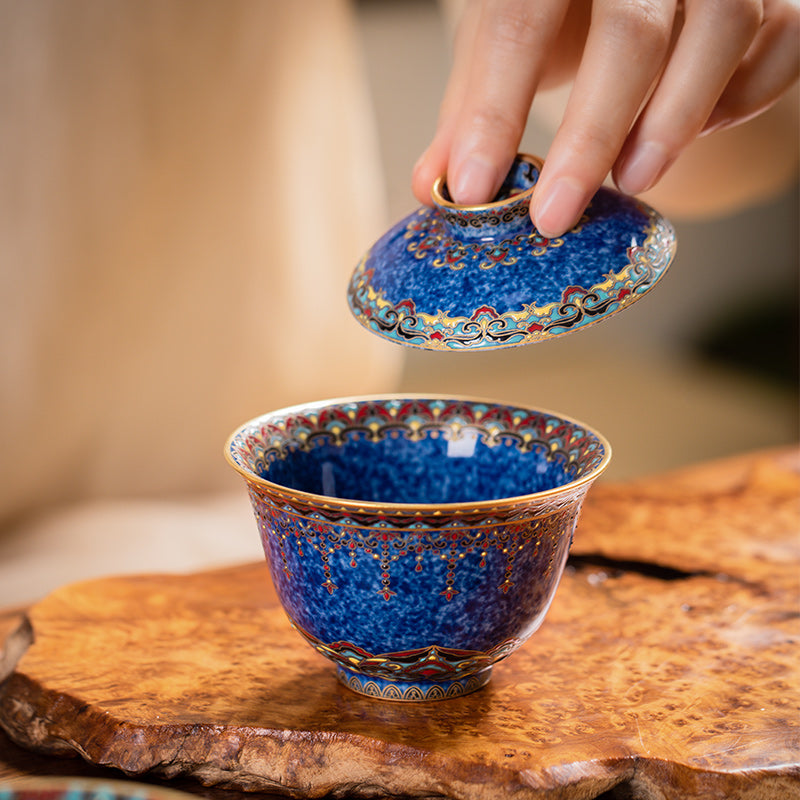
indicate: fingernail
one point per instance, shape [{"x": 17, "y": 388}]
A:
[
  {"x": 719, "y": 120},
  {"x": 474, "y": 182},
  {"x": 642, "y": 168},
  {"x": 557, "y": 210}
]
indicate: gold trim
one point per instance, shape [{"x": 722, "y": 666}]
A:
[
  {"x": 465, "y": 524},
  {"x": 413, "y": 509},
  {"x": 439, "y": 199},
  {"x": 413, "y": 693}
]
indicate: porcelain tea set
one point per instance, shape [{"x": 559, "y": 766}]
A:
[{"x": 416, "y": 540}]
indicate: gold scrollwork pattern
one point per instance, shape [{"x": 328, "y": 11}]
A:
[{"x": 428, "y": 238}]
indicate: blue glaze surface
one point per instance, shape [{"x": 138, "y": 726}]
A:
[
  {"x": 431, "y": 469},
  {"x": 493, "y": 598},
  {"x": 583, "y": 259},
  {"x": 416, "y": 540},
  {"x": 453, "y": 277}
]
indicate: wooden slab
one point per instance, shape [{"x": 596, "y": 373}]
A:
[{"x": 667, "y": 668}]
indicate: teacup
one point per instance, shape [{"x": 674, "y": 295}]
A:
[{"x": 416, "y": 540}]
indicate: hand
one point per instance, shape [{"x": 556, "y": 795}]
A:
[{"x": 650, "y": 76}]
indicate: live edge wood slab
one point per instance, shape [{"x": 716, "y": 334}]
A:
[{"x": 666, "y": 668}]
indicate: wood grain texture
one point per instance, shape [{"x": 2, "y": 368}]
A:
[{"x": 666, "y": 668}]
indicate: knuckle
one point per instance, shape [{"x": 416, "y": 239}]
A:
[
  {"x": 790, "y": 23},
  {"x": 746, "y": 15},
  {"x": 496, "y": 123},
  {"x": 515, "y": 24},
  {"x": 645, "y": 22},
  {"x": 750, "y": 13},
  {"x": 789, "y": 17},
  {"x": 595, "y": 142}
]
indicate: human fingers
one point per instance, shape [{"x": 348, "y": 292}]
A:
[
  {"x": 433, "y": 162},
  {"x": 624, "y": 53},
  {"x": 768, "y": 69},
  {"x": 510, "y": 49},
  {"x": 714, "y": 38}
]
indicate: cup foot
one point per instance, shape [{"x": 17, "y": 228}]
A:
[{"x": 412, "y": 691}]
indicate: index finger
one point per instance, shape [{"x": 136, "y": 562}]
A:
[{"x": 511, "y": 46}]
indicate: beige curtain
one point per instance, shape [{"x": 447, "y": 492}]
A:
[{"x": 185, "y": 186}]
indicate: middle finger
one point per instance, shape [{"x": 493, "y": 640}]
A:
[
  {"x": 625, "y": 51},
  {"x": 510, "y": 50}
]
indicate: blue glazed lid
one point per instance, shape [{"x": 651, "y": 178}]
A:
[{"x": 458, "y": 277}]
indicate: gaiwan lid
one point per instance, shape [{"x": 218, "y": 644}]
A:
[{"x": 456, "y": 277}]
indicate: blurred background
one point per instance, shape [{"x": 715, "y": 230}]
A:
[{"x": 185, "y": 187}]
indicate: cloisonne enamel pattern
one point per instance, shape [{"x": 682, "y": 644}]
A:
[
  {"x": 482, "y": 277},
  {"x": 444, "y": 547},
  {"x": 69, "y": 788}
]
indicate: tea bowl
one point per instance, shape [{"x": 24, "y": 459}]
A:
[{"x": 416, "y": 540}]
